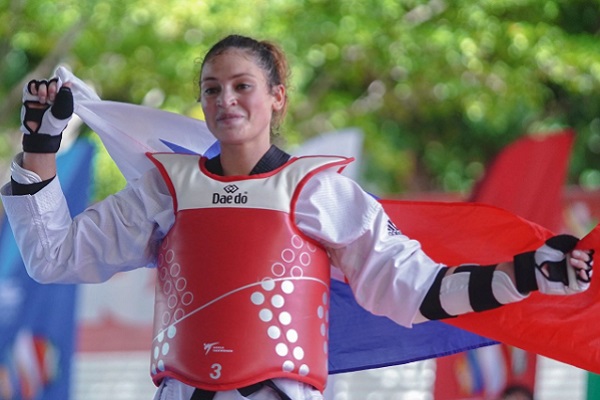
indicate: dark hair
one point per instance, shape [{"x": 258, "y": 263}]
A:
[{"x": 267, "y": 55}]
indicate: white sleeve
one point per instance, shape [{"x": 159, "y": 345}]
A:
[
  {"x": 22, "y": 175},
  {"x": 389, "y": 273},
  {"x": 117, "y": 234}
]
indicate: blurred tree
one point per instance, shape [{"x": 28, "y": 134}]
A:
[{"x": 438, "y": 87}]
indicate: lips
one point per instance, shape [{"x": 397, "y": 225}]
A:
[{"x": 228, "y": 117}]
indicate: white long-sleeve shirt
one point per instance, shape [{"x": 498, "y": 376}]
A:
[{"x": 388, "y": 272}]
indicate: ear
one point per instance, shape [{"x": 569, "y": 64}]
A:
[{"x": 279, "y": 96}]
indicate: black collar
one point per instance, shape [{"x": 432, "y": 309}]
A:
[{"x": 272, "y": 159}]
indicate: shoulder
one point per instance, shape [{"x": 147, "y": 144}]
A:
[
  {"x": 331, "y": 184},
  {"x": 334, "y": 209}
]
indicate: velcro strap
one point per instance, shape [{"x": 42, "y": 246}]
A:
[
  {"x": 481, "y": 295},
  {"x": 41, "y": 143},
  {"x": 431, "y": 307},
  {"x": 525, "y": 272}
]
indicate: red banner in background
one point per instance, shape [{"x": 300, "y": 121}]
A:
[{"x": 528, "y": 178}]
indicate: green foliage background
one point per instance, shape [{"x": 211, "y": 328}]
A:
[{"x": 438, "y": 87}]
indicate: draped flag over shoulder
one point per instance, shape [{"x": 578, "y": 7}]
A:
[{"x": 451, "y": 233}]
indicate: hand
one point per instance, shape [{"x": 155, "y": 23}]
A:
[
  {"x": 582, "y": 263},
  {"x": 555, "y": 268},
  {"x": 46, "y": 111}
]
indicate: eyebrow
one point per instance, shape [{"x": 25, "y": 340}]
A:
[{"x": 210, "y": 78}]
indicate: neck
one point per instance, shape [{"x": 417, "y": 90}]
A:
[{"x": 240, "y": 159}]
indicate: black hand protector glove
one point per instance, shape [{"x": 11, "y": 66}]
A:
[
  {"x": 548, "y": 269},
  {"x": 51, "y": 118}
]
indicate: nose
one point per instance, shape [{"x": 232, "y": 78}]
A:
[{"x": 226, "y": 98}]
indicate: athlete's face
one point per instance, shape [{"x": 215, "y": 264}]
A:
[{"x": 236, "y": 99}]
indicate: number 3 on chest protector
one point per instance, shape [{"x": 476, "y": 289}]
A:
[{"x": 216, "y": 374}]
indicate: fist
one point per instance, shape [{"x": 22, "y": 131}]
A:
[
  {"x": 46, "y": 111},
  {"x": 555, "y": 267}
]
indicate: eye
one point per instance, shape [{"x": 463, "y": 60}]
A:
[
  {"x": 210, "y": 90},
  {"x": 243, "y": 86}
]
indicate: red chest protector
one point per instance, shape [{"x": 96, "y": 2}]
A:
[{"x": 242, "y": 295}]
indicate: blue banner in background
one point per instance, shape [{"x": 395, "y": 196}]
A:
[{"x": 37, "y": 322}]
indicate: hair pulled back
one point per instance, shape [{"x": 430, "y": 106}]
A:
[{"x": 267, "y": 55}]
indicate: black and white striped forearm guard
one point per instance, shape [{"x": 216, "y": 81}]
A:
[{"x": 468, "y": 288}]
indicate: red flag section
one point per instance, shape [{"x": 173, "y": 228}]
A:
[
  {"x": 528, "y": 172},
  {"x": 527, "y": 179},
  {"x": 559, "y": 327}
]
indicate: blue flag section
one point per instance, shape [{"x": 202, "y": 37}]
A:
[
  {"x": 37, "y": 326},
  {"x": 360, "y": 340}
]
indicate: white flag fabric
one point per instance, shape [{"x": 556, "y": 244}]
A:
[
  {"x": 129, "y": 131},
  {"x": 345, "y": 142}
]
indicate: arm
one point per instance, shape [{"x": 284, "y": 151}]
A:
[
  {"x": 114, "y": 235},
  {"x": 43, "y": 164},
  {"x": 388, "y": 272},
  {"x": 117, "y": 234},
  {"x": 386, "y": 269},
  {"x": 554, "y": 268}
]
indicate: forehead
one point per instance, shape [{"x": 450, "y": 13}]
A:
[{"x": 231, "y": 62}]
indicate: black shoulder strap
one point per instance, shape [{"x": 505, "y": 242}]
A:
[{"x": 201, "y": 394}]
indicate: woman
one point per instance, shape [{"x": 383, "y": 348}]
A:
[{"x": 243, "y": 241}]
